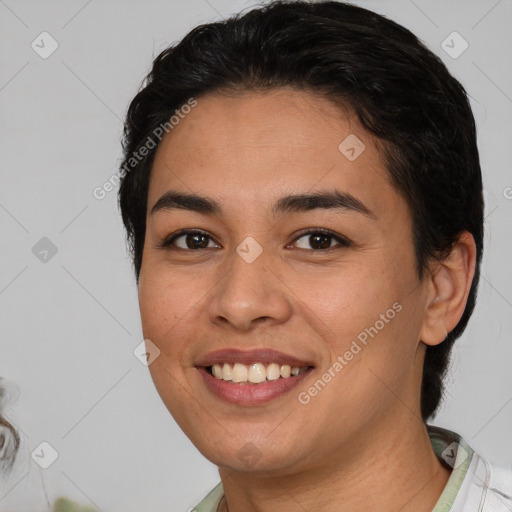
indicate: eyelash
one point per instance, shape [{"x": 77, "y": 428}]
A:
[{"x": 343, "y": 242}]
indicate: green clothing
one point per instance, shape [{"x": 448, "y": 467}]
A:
[{"x": 483, "y": 488}]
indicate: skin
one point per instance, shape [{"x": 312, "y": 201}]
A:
[{"x": 360, "y": 442}]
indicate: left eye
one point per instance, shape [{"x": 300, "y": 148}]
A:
[{"x": 318, "y": 240}]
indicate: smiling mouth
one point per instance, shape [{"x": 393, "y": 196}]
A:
[{"x": 255, "y": 373}]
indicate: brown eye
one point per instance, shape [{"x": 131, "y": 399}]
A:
[
  {"x": 195, "y": 241},
  {"x": 321, "y": 240},
  {"x": 189, "y": 240}
]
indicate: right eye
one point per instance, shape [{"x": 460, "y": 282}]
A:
[{"x": 189, "y": 240}]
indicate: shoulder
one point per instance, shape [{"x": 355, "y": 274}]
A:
[
  {"x": 499, "y": 488},
  {"x": 488, "y": 487}
]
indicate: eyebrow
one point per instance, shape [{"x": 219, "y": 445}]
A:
[{"x": 332, "y": 199}]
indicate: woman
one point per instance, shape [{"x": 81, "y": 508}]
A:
[{"x": 302, "y": 195}]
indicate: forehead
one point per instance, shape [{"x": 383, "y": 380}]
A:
[{"x": 260, "y": 144}]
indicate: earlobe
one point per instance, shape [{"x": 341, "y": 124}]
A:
[{"x": 449, "y": 284}]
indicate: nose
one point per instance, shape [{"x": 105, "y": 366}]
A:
[{"x": 250, "y": 294}]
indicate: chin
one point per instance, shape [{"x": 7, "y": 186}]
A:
[{"x": 252, "y": 456}]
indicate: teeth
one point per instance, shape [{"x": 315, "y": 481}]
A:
[
  {"x": 254, "y": 373},
  {"x": 240, "y": 373},
  {"x": 273, "y": 372},
  {"x": 227, "y": 372},
  {"x": 257, "y": 373},
  {"x": 286, "y": 371},
  {"x": 217, "y": 371}
]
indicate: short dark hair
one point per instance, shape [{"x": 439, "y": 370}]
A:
[{"x": 400, "y": 91}]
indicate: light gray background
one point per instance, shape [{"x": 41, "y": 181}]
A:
[{"x": 70, "y": 325}]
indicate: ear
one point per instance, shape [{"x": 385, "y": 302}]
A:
[{"x": 448, "y": 289}]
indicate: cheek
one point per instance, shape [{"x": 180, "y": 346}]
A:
[
  {"x": 163, "y": 316},
  {"x": 367, "y": 317},
  {"x": 163, "y": 309},
  {"x": 343, "y": 302}
]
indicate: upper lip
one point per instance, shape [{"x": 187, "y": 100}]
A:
[{"x": 259, "y": 355}]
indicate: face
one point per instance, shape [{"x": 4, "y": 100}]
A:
[{"x": 253, "y": 270}]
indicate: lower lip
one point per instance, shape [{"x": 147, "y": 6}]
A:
[{"x": 251, "y": 394}]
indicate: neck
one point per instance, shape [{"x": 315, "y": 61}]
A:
[{"x": 392, "y": 469}]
